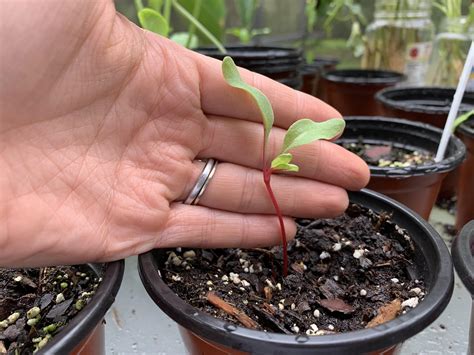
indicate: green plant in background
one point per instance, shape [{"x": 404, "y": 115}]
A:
[
  {"x": 451, "y": 44},
  {"x": 398, "y": 26},
  {"x": 247, "y": 10},
  {"x": 301, "y": 132},
  {"x": 461, "y": 119},
  {"x": 332, "y": 11},
  {"x": 348, "y": 11},
  {"x": 156, "y": 16}
]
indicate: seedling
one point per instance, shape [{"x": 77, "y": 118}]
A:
[
  {"x": 301, "y": 132},
  {"x": 461, "y": 119}
]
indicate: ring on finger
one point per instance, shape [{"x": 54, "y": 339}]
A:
[{"x": 202, "y": 182}]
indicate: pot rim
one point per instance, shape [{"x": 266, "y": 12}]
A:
[
  {"x": 463, "y": 258},
  {"x": 319, "y": 64},
  {"x": 364, "y": 340},
  {"x": 363, "y": 76},
  {"x": 450, "y": 162},
  {"x": 384, "y": 97},
  {"x": 263, "y": 53},
  {"x": 92, "y": 314}
]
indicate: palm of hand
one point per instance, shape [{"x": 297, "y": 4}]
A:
[
  {"x": 130, "y": 152},
  {"x": 99, "y": 137}
]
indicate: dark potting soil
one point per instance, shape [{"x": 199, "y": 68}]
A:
[
  {"x": 347, "y": 273},
  {"x": 35, "y": 304},
  {"x": 389, "y": 156}
]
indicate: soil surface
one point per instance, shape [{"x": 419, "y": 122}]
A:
[
  {"x": 389, "y": 156},
  {"x": 35, "y": 304},
  {"x": 348, "y": 273}
]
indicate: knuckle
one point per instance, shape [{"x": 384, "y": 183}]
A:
[{"x": 247, "y": 195}]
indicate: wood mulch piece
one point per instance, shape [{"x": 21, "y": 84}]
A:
[{"x": 345, "y": 274}]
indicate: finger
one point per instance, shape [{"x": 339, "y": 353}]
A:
[
  {"x": 239, "y": 189},
  {"x": 240, "y": 142},
  {"x": 202, "y": 227},
  {"x": 218, "y": 98}
]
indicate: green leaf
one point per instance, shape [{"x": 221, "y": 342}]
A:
[
  {"x": 232, "y": 76},
  {"x": 311, "y": 14},
  {"x": 286, "y": 167},
  {"x": 461, "y": 119},
  {"x": 283, "y": 158},
  {"x": 199, "y": 26},
  {"x": 182, "y": 38},
  {"x": 282, "y": 162},
  {"x": 153, "y": 21},
  {"x": 246, "y": 10},
  {"x": 241, "y": 33},
  {"x": 260, "y": 31},
  {"x": 212, "y": 16},
  {"x": 305, "y": 131}
]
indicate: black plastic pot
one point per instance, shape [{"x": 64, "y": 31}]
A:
[
  {"x": 84, "y": 334},
  {"x": 417, "y": 187},
  {"x": 312, "y": 72},
  {"x": 463, "y": 259},
  {"x": 352, "y": 91},
  {"x": 433, "y": 262},
  {"x": 423, "y": 104},
  {"x": 465, "y": 203},
  {"x": 279, "y": 63}
]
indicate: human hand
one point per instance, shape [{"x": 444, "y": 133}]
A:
[{"x": 101, "y": 128}]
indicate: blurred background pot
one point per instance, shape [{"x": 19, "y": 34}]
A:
[
  {"x": 423, "y": 104},
  {"x": 415, "y": 186},
  {"x": 429, "y": 105},
  {"x": 465, "y": 204},
  {"x": 204, "y": 334},
  {"x": 84, "y": 334},
  {"x": 352, "y": 91},
  {"x": 312, "y": 72},
  {"x": 463, "y": 259},
  {"x": 278, "y": 63}
]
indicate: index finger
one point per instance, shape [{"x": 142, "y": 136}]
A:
[{"x": 218, "y": 98}]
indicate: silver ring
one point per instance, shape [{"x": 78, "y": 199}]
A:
[{"x": 202, "y": 182}]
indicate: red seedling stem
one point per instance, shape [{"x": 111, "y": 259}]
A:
[{"x": 267, "y": 173}]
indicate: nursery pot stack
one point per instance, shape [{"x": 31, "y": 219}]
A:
[
  {"x": 415, "y": 186},
  {"x": 278, "y": 63}
]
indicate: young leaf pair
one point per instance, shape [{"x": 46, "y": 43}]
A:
[{"x": 301, "y": 132}]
